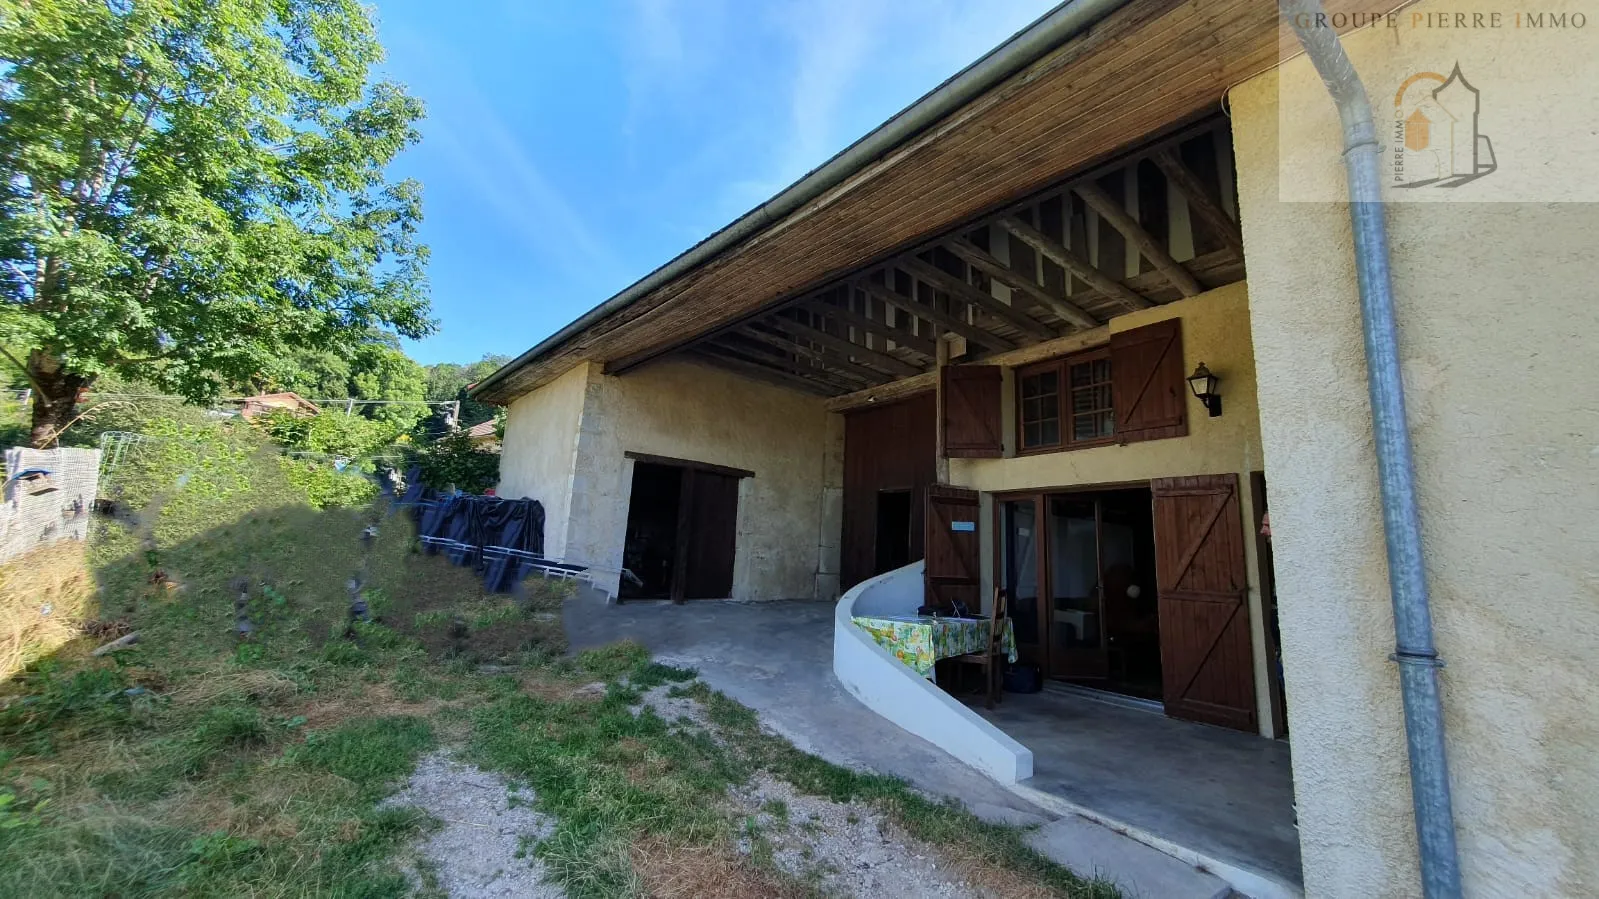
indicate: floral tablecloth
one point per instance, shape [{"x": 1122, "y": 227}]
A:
[{"x": 919, "y": 642}]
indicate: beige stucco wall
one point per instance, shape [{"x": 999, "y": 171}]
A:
[
  {"x": 540, "y": 451},
  {"x": 1497, "y": 320},
  {"x": 1216, "y": 332},
  {"x": 689, "y": 411}
]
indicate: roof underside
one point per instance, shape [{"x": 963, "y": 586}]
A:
[{"x": 1105, "y": 134}]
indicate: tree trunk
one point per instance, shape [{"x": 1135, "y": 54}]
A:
[{"x": 55, "y": 397}]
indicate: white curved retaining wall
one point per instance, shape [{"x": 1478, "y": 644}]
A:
[{"x": 891, "y": 689}]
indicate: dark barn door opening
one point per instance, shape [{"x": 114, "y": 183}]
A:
[
  {"x": 893, "y": 529},
  {"x": 651, "y": 548},
  {"x": 682, "y": 522}
]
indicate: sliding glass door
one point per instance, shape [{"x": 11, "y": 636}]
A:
[
  {"x": 1020, "y": 572},
  {"x": 1076, "y": 598}
]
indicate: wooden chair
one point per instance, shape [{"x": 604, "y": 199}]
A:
[{"x": 992, "y": 658}]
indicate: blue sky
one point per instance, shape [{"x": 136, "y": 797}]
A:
[{"x": 572, "y": 147}]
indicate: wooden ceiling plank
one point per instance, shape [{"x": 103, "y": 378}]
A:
[
  {"x": 762, "y": 373},
  {"x": 876, "y": 358},
  {"x": 938, "y": 317},
  {"x": 1113, "y": 212},
  {"x": 955, "y": 287},
  {"x": 913, "y": 342},
  {"x": 1068, "y": 311},
  {"x": 821, "y": 357},
  {"x": 1078, "y": 266},
  {"x": 1199, "y": 201}
]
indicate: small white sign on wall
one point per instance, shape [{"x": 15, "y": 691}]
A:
[{"x": 964, "y": 526}]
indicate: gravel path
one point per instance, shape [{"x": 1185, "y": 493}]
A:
[
  {"x": 485, "y": 824},
  {"x": 846, "y": 849}
]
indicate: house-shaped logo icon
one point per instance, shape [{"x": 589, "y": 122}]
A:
[{"x": 1436, "y": 130}]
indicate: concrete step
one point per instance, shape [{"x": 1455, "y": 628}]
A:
[{"x": 1093, "y": 850}]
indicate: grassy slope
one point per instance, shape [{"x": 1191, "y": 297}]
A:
[{"x": 200, "y": 763}]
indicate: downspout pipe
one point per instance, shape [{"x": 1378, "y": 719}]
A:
[
  {"x": 1022, "y": 50},
  {"x": 1414, "y": 651}
]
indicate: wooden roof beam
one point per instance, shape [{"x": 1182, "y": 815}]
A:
[
  {"x": 1199, "y": 199},
  {"x": 704, "y": 353},
  {"x": 938, "y": 317},
  {"x": 999, "y": 271},
  {"x": 875, "y": 358},
  {"x": 1077, "y": 265},
  {"x": 785, "y": 367},
  {"x": 821, "y": 357},
  {"x": 913, "y": 342},
  {"x": 961, "y": 290},
  {"x": 1113, "y": 212}
]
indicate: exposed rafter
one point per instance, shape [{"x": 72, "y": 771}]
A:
[
  {"x": 938, "y": 317},
  {"x": 828, "y": 360},
  {"x": 1113, "y": 212},
  {"x": 865, "y": 355},
  {"x": 824, "y": 336},
  {"x": 999, "y": 271},
  {"x": 965, "y": 292},
  {"x": 715, "y": 355},
  {"x": 1199, "y": 201},
  {"x": 901, "y": 336}
]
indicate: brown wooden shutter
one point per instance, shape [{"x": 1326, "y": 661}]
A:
[
  {"x": 1148, "y": 383},
  {"x": 972, "y": 428},
  {"x": 952, "y": 571},
  {"x": 1207, "y": 669}
]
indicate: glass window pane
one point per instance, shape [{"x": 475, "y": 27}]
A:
[
  {"x": 1019, "y": 547},
  {"x": 1074, "y": 573}
]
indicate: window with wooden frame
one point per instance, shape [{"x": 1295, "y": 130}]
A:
[
  {"x": 1065, "y": 403},
  {"x": 1131, "y": 390}
]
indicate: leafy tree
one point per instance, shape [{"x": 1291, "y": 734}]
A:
[
  {"x": 192, "y": 188},
  {"x": 385, "y": 373},
  {"x": 453, "y": 461},
  {"x": 332, "y": 433},
  {"x": 450, "y": 381}
]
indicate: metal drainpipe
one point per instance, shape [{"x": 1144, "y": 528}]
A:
[{"x": 1414, "y": 652}]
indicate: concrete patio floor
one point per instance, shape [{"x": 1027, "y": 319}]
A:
[
  {"x": 1225, "y": 794},
  {"x": 777, "y": 658}
]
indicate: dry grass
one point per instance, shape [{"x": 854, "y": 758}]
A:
[
  {"x": 262, "y": 686},
  {"x": 45, "y": 598},
  {"x": 990, "y": 876},
  {"x": 703, "y": 872}
]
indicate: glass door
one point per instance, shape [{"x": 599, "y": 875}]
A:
[
  {"x": 1076, "y": 597},
  {"x": 1020, "y": 568}
]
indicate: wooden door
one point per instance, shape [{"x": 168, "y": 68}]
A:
[
  {"x": 886, "y": 447},
  {"x": 953, "y": 570},
  {"x": 710, "y": 505},
  {"x": 1206, "y": 665}
]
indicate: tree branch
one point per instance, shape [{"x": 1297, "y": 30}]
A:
[{"x": 44, "y": 398}]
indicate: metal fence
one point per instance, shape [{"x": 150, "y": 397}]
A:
[{"x": 48, "y": 497}]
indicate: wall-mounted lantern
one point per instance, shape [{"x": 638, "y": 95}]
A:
[{"x": 1203, "y": 383}]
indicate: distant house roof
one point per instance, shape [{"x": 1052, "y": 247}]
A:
[
  {"x": 482, "y": 432},
  {"x": 262, "y": 403}
]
